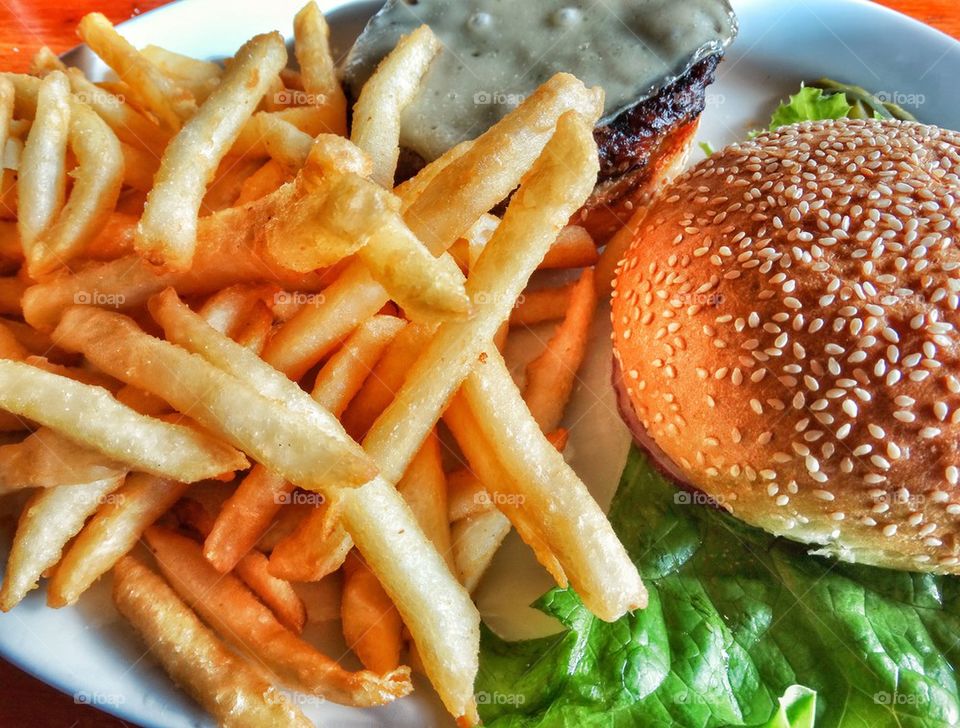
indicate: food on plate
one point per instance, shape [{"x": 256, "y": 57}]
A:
[
  {"x": 654, "y": 59},
  {"x": 804, "y": 286}
]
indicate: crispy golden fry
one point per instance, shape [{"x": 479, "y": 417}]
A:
[
  {"x": 228, "y": 309},
  {"x": 168, "y": 229},
  {"x": 112, "y": 532},
  {"x": 485, "y": 173},
  {"x": 556, "y": 186},
  {"x": 96, "y": 187},
  {"x": 284, "y": 142},
  {"x": 541, "y": 305},
  {"x": 246, "y": 516},
  {"x": 443, "y": 622},
  {"x": 41, "y": 185},
  {"x": 310, "y": 449},
  {"x": 44, "y": 61},
  {"x": 10, "y": 345},
  {"x": 230, "y": 251},
  {"x": 50, "y": 519},
  {"x": 311, "y": 120},
  {"x": 198, "y": 77},
  {"x": 228, "y": 687},
  {"x": 139, "y": 167},
  {"x": 47, "y": 459},
  {"x": 395, "y": 83},
  {"x": 145, "y": 82},
  {"x": 315, "y": 549},
  {"x": 318, "y": 73},
  {"x": 475, "y": 540},
  {"x": 574, "y": 249},
  {"x": 269, "y": 178},
  {"x": 319, "y": 327},
  {"x": 8, "y": 195},
  {"x": 11, "y": 251},
  {"x": 256, "y": 330},
  {"x": 550, "y": 377},
  {"x": 385, "y": 380},
  {"x": 253, "y": 569},
  {"x": 228, "y": 181},
  {"x": 340, "y": 379},
  {"x": 98, "y": 421},
  {"x": 371, "y": 624},
  {"x": 484, "y": 462},
  {"x": 570, "y": 520},
  {"x": 232, "y": 610},
  {"x": 130, "y": 126},
  {"x": 424, "y": 488}
]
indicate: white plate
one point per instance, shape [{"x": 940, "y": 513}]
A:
[{"x": 87, "y": 652}]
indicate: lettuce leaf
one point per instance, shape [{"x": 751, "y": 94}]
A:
[
  {"x": 810, "y": 104},
  {"x": 738, "y": 621}
]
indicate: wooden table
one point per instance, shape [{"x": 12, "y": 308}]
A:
[{"x": 26, "y": 26}]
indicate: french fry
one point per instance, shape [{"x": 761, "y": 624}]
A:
[
  {"x": 614, "y": 251},
  {"x": 227, "y": 309},
  {"x": 340, "y": 379},
  {"x": 318, "y": 328},
  {"x": 277, "y": 594},
  {"x": 113, "y": 531},
  {"x": 45, "y": 61},
  {"x": 550, "y": 377},
  {"x": 391, "y": 88},
  {"x": 223, "y": 191},
  {"x": 167, "y": 231},
  {"x": 270, "y": 177},
  {"x": 475, "y": 540},
  {"x": 225, "y": 685},
  {"x": 256, "y": 330},
  {"x": 10, "y": 345},
  {"x": 11, "y": 251},
  {"x": 443, "y": 622},
  {"x": 371, "y": 624},
  {"x": 96, "y": 187},
  {"x": 284, "y": 142},
  {"x": 230, "y": 251},
  {"x": 485, "y": 173},
  {"x": 572, "y": 523},
  {"x": 574, "y": 249},
  {"x": 315, "y": 549},
  {"x": 97, "y": 420},
  {"x": 41, "y": 185},
  {"x": 139, "y": 167},
  {"x": 233, "y": 611},
  {"x": 145, "y": 82},
  {"x": 318, "y": 75},
  {"x": 311, "y": 450},
  {"x": 7, "y": 98},
  {"x": 47, "y": 459},
  {"x": 130, "y": 126},
  {"x": 50, "y": 519},
  {"x": 557, "y": 184},
  {"x": 385, "y": 380},
  {"x": 424, "y": 488},
  {"x": 198, "y": 77},
  {"x": 484, "y": 462},
  {"x": 542, "y": 305},
  {"x": 311, "y": 120}
]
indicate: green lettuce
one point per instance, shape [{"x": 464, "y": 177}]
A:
[
  {"x": 810, "y": 104},
  {"x": 738, "y": 621}
]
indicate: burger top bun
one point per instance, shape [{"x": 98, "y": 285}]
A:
[{"x": 785, "y": 324}]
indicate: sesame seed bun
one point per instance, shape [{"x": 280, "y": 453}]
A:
[{"x": 785, "y": 323}]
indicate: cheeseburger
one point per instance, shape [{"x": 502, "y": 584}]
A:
[{"x": 785, "y": 337}]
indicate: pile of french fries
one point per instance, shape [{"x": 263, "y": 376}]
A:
[{"x": 205, "y": 279}]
